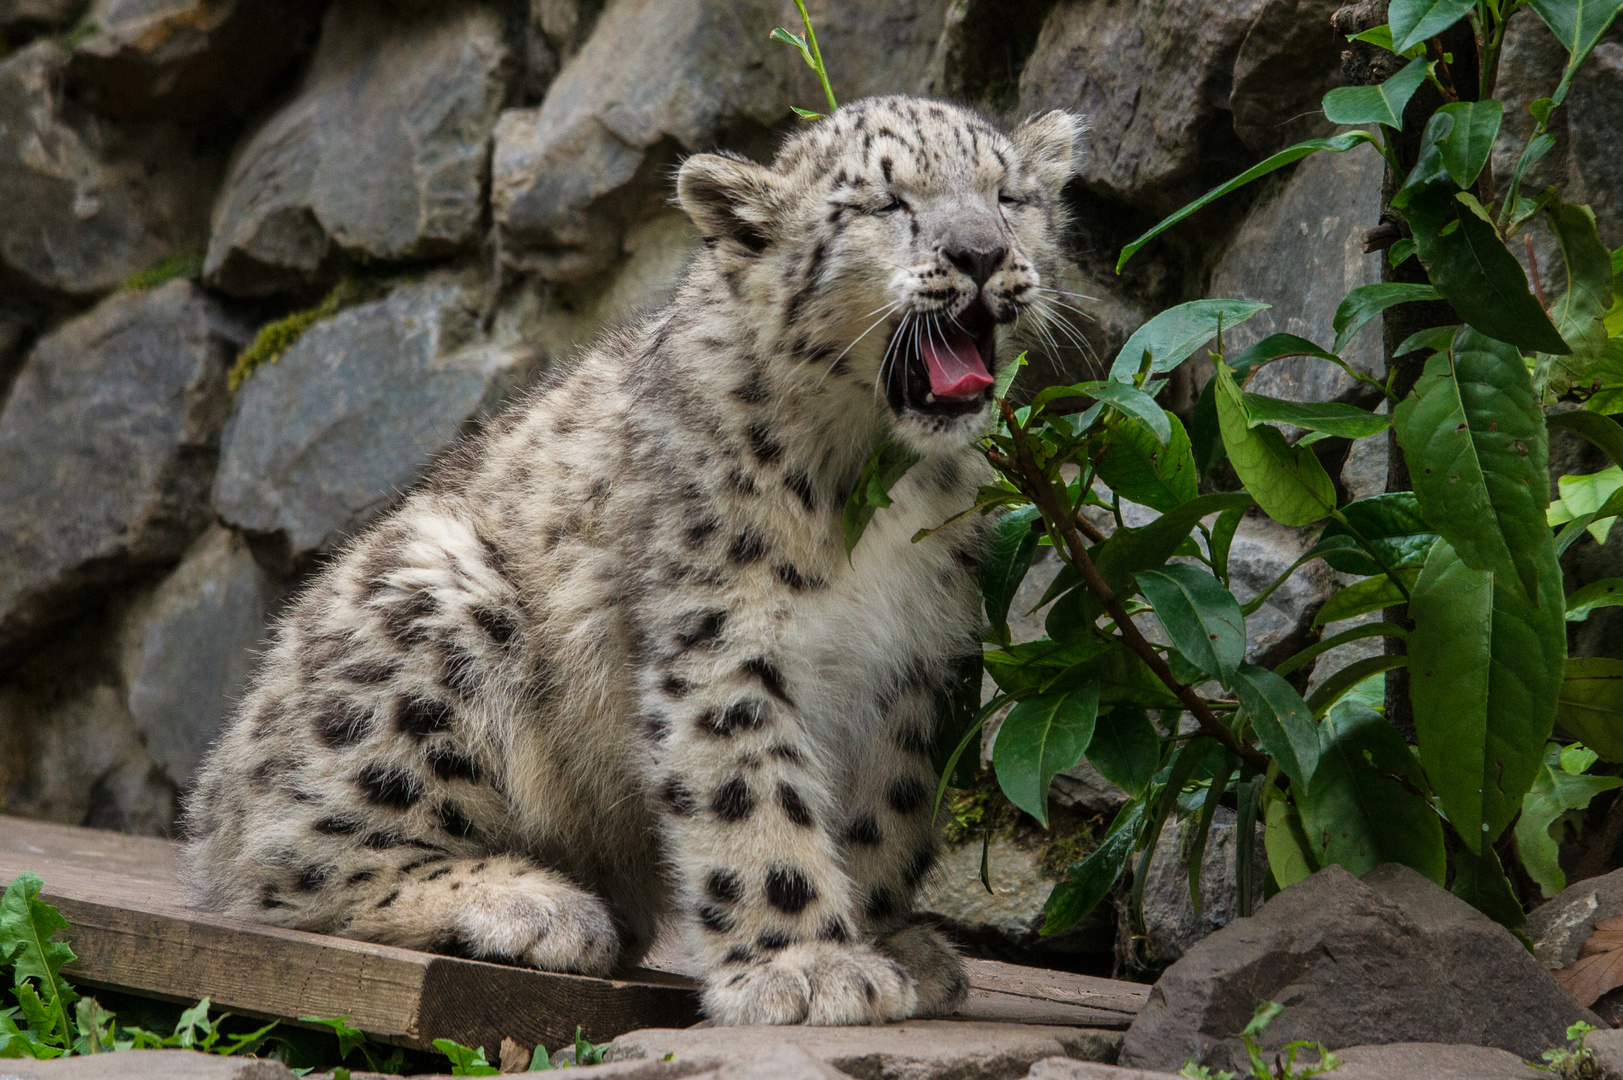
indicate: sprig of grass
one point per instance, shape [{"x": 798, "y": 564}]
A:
[{"x": 806, "y": 42}]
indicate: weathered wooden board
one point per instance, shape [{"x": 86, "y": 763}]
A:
[{"x": 132, "y": 932}]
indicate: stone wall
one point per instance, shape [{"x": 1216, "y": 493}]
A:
[{"x": 498, "y": 174}]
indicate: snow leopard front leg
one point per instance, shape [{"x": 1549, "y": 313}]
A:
[{"x": 751, "y": 818}]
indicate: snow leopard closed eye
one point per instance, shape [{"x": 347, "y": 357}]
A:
[{"x": 615, "y": 663}]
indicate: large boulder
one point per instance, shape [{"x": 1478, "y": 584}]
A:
[
  {"x": 85, "y": 203},
  {"x": 1154, "y": 76},
  {"x": 874, "y": 49},
  {"x": 382, "y": 153},
  {"x": 189, "y": 649},
  {"x": 107, "y": 449},
  {"x": 1390, "y": 958},
  {"x": 1290, "y": 57},
  {"x": 654, "y": 80},
  {"x": 188, "y": 59},
  {"x": 326, "y": 438},
  {"x": 1594, "y": 116},
  {"x": 1261, "y": 551},
  {"x": 1302, "y": 250}
]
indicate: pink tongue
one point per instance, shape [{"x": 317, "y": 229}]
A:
[{"x": 955, "y": 366}]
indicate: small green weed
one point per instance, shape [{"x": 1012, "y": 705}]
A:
[
  {"x": 471, "y": 1061},
  {"x": 353, "y": 1039},
  {"x": 1283, "y": 1068},
  {"x": 1575, "y": 1061},
  {"x": 185, "y": 265},
  {"x": 276, "y": 338}
]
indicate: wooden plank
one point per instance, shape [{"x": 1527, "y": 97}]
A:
[{"x": 133, "y": 933}]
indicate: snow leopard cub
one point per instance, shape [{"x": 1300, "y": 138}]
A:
[{"x": 611, "y": 663}]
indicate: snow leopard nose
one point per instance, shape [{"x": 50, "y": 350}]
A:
[{"x": 978, "y": 263}]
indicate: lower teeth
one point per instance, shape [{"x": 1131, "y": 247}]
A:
[{"x": 929, "y": 399}]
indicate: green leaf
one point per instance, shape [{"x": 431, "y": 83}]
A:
[
  {"x": 1480, "y": 881},
  {"x": 1474, "y": 438},
  {"x": 1555, "y": 791},
  {"x": 1142, "y": 470},
  {"x": 1023, "y": 669},
  {"x": 1356, "y": 633},
  {"x": 1607, "y": 592},
  {"x": 1349, "y": 678},
  {"x": 27, "y": 925},
  {"x": 1005, "y": 378},
  {"x": 1381, "y": 104},
  {"x": 1007, "y": 560},
  {"x": 1173, "y": 336},
  {"x": 887, "y": 464},
  {"x": 1363, "y": 597},
  {"x": 1381, "y": 37},
  {"x": 1467, "y": 147},
  {"x": 1578, "y": 24},
  {"x": 1288, "y": 156},
  {"x": 465, "y": 1060},
  {"x": 1579, "y": 312},
  {"x": 1199, "y": 614},
  {"x": 1039, "y": 738},
  {"x": 1391, "y": 524},
  {"x": 1222, "y": 539},
  {"x": 1125, "y": 399},
  {"x": 1603, "y": 431},
  {"x": 1474, "y": 271},
  {"x": 1367, "y": 301},
  {"x": 1485, "y": 670},
  {"x": 1413, "y": 21},
  {"x": 1195, "y": 860},
  {"x": 1283, "y": 722},
  {"x": 1590, "y": 706},
  {"x": 963, "y": 705},
  {"x": 1434, "y": 339},
  {"x": 1288, "y": 482},
  {"x": 1204, "y": 436},
  {"x": 1126, "y": 749},
  {"x": 1365, "y": 805},
  {"x": 1587, "y": 497},
  {"x": 1290, "y": 856},
  {"x": 1577, "y": 758},
  {"x": 1330, "y": 417},
  {"x": 1129, "y": 550},
  {"x": 1089, "y": 880}
]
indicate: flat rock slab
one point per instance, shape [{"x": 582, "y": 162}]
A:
[
  {"x": 146, "y": 1065},
  {"x": 914, "y": 1050},
  {"x": 1434, "y": 1061},
  {"x": 1389, "y": 958}
]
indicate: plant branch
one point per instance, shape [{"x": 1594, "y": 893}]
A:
[{"x": 1075, "y": 552}]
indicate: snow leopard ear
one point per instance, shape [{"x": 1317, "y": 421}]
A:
[
  {"x": 1052, "y": 145},
  {"x": 730, "y": 198}
]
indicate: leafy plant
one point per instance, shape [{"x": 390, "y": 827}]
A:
[
  {"x": 1284, "y": 1064},
  {"x": 351, "y": 1040},
  {"x": 1468, "y": 558},
  {"x": 806, "y": 43},
  {"x": 1575, "y": 1061}
]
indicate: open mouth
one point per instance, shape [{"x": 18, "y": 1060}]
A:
[{"x": 942, "y": 367}]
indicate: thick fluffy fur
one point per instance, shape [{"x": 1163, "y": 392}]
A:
[{"x": 611, "y": 662}]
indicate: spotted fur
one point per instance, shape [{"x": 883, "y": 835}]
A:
[{"x": 615, "y": 664}]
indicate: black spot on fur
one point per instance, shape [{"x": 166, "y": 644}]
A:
[
  {"x": 499, "y": 623},
  {"x": 724, "y": 886},
  {"x": 370, "y": 672},
  {"x": 834, "y": 930},
  {"x": 739, "y": 716},
  {"x": 738, "y": 954},
  {"x": 676, "y": 687},
  {"x": 911, "y": 738},
  {"x": 385, "y": 785},
  {"x": 655, "y": 728},
  {"x": 359, "y": 876},
  {"x": 753, "y": 391},
  {"x": 676, "y": 796},
  {"x": 907, "y": 795},
  {"x": 341, "y": 724},
  {"x": 788, "y": 890},
  {"x": 747, "y": 548},
  {"x": 801, "y": 485},
  {"x": 770, "y": 677},
  {"x": 387, "y": 900},
  {"x": 421, "y": 717},
  {"x": 794, "y": 807},
  {"x": 436, "y": 875},
  {"x": 880, "y": 905},
  {"x": 774, "y": 940},
  {"x": 864, "y": 831},
  {"x": 447, "y": 764},
  {"x": 459, "y": 670},
  {"x": 452, "y": 819},
  {"x": 733, "y": 801},
  {"x": 269, "y": 897},
  {"x": 918, "y": 867},
  {"x": 312, "y": 878},
  {"x": 697, "y": 533},
  {"x": 742, "y": 482},
  {"x": 715, "y": 920},
  {"x": 785, "y": 752},
  {"x": 703, "y": 628},
  {"x": 402, "y": 619},
  {"x": 762, "y": 444},
  {"x": 337, "y": 826}
]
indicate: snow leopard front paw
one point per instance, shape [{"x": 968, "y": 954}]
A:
[
  {"x": 815, "y": 983},
  {"x": 541, "y": 921},
  {"x": 935, "y": 966}
]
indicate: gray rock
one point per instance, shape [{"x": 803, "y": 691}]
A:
[
  {"x": 73, "y": 754},
  {"x": 1607, "y": 1046},
  {"x": 1434, "y": 1061},
  {"x": 1560, "y": 928},
  {"x": 874, "y": 49},
  {"x": 188, "y": 60},
  {"x": 1594, "y": 116},
  {"x": 29, "y": 15},
  {"x": 1067, "y": 1069},
  {"x": 653, "y": 80},
  {"x": 189, "y": 649},
  {"x": 149, "y": 1065},
  {"x": 1262, "y": 550},
  {"x": 1314, "y": 219},
  {"x": 85, "y": 203},
  {"x": 107, "y": 450},
  {"x": 1155, "y": 77},
  {"x": 1171, "y": 927},
  {"x": 326, "y": 438},
  {"x": 1006, "y": 923},
  {"x": 1083, "y": 788},
  {"x": 912, "y": 1050},
  {"x": 1389, "y": 959},
  {"x": 381, "y": 153},
  {"x": 1290, "y": 57}
]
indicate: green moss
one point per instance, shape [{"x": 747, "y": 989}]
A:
[
  {"x": 968, "y": 814},
  {"x": 1073, "y": 837},
  {"x": 86, "y": 29},
  {"x": 187, "y": 265},
  {"x": 278, "y": 337}
]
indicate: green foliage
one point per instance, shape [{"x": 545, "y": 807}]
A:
[
  {"x": 1575, "y": 1061},
  {"x": 1559, "y": 788},
  {"x": 276, "y": 338},
  {"x": 185, "y": 265},
  {"x": 466, "y": 1061},
  {"x": 1284, "y": 1064},
  {"x": 806, "y": 44},
  {"x": 353, "y": 1040}
]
